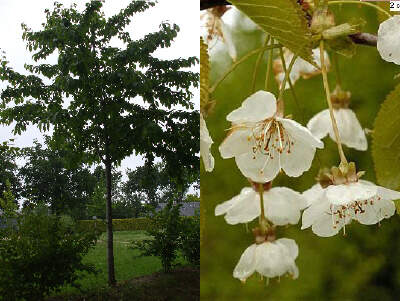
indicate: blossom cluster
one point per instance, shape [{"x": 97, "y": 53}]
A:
[{"x": 264, "y": 143}]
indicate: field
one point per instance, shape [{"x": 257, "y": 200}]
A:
[{"x": 144, "y": 270}]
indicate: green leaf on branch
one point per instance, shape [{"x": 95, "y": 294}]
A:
[
  {"x": 284, "y": 20},
  {"x": 386, "y": 141}
]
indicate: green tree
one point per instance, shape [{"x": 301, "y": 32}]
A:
[
  {"x": 103, "y": 120},
  {"x": 9, "y": 170},
  {"x": 47, "y": 178}
]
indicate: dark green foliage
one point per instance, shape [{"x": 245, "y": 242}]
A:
[
  {"x": 9, "y": 169},
  {"x": 41, "y": 254},
  {"x": 190, "y": 240},
  {"x": 166, "y": 231},
  {"x": 47, "y": 176},
  {"x": 105, "y": 116}
]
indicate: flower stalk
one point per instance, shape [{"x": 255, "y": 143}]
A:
[
  {"x": 262, "y": 221},
  {"x": 281, "y": 105},
  {"x": 328, "y": 99}
]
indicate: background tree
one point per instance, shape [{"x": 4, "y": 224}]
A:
[
  {"x": 9, "y": 170},
  {"x": 104, "y": 121},
  {"x": 48, "y": 179}
]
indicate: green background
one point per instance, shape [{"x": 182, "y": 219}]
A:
[{"x": 365, "y": 264}]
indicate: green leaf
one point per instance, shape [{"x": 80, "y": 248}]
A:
[
  {"x": 284, "y": 20},
  {"x": 386, "y": 141}
]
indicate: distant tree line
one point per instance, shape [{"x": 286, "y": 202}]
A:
[{"x": 44, "y": 178}]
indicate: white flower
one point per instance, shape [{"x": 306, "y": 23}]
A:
[
  {"x": 301, "y": 68},
  {"x": 389, "y": 40},
  {"x": 264, "y": 143},
  {"x": 269, "y": 259},
  {"x": 205, "y": 145},
  {"x": 282, "y": 206},
  {"x": 331, "y": 208},
  {"x": 350, "y": 130},
  {"x": 216, "y": 30}
]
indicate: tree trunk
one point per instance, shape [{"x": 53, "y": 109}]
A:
[{"x": 110, "y": 239}]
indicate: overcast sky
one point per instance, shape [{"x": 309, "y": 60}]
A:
[{"x": 13, "y": 13}]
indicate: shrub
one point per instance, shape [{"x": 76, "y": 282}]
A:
[
  {"x": 41, "y": 254},
  {"x": 166, "y": 231},
  {"x": 190, "y": 240}
]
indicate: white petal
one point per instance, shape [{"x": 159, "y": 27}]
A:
[
  {"x": 346, "y": 193},
  {"x": 258, "y": 106},
  {"x": 226, "y": 32},
  {"x": 238, "y": 141},
  {"x": 205, "y": 146},
  {"x": 246, "y": 209},
  {"x": 299, "y": 132},
  {"x": 270, "y": 260},
  {"x": 283, "y": 205},
  {"x": 389, "y": 40},
  {"x": 313, "y": 194},
  {"x": 317, "y": 210},
  {"x": 225, "y": 206},
  {"x": 259, "y": 167},
  {"x": 320, "y": 124},
  {"x": 376, "y": 212},
  {"x": 247, "y": 263},
  {"x": 388, "y": 194},
  {"x": 324, "y": 226},
  {"x": 350, "y": 130},
  {"x": 302, "y": 152},
  {"x": 290, "y": 245}
]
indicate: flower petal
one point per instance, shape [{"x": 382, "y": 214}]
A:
[
  {"x": 259, "y": 167},
  {"x": 320, "y": 124},
  {"x": 313, "y": 194},
  {"x": 258, "y": 106},
  {"x": 238, "y": 141},
  {"x": 299, "y": 132},
  {"x": 302, "y": 152},
  {"x": 247, "y": 263},
  {"x": 225, "y": 206},
  {"x": 346, "y": 193},
  {"x": 283, "y": 205},
  {"x": 375, "y": 212},
  {"x": 290, "y": 245},
  {"x": 205, "y": 146},
  {"x": 350, "y": 130},
  {"x": 388, "y": 43},
  {"x": 270, "y": 260},
  {"x": 246, "y": 209},
  {"x": 325, "y": 227},
  {"x": 318, "y": 208}
]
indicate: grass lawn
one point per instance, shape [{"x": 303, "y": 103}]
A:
[{"x": 127, "y": 266}]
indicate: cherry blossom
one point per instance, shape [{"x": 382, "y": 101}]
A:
[
  {"x": 216, "y": 30},
  {"x": 350, "y": 131},
  {"x": 301, "y": 68},
  {"x": 269, "y": 259},
  {"x": 263, "y": 143},
  {"x": 334, "y": 205},
  {"x": 388, "y": 43},
  {"x": 205, "y": 145},
  {"x": 282, "y": 206}
]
